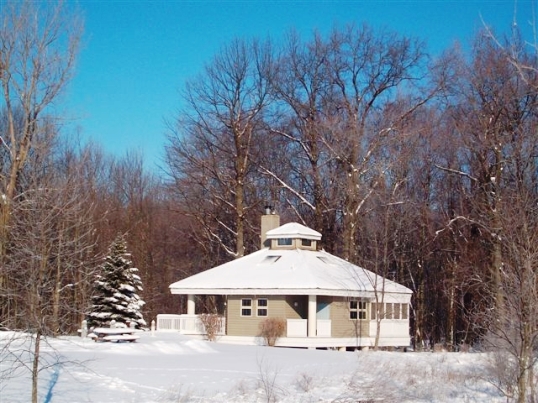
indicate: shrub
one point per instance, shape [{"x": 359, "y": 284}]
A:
[
  {"x": 212, "y": 324},
  {"x": 271, "y": 329}
]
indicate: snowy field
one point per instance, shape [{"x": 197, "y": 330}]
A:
[{"x": 173, "y": 368}]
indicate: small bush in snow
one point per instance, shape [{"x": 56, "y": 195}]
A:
[
  {"x": 305, "y": 382},
  {"x": 175, "y": 394},
  {"x": 212, "y": 324},
  {"x": 272, "y": 329},
  {"x": 267, "y": 381}
]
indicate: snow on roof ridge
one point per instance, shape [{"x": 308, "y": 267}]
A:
[{"x": 293, "y": 230}]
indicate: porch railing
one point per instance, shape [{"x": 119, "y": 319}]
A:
[
  {"x": 192, "y": 325},
  {"x": 298, "y": 328},
  {"x": 184, "y": 324}
]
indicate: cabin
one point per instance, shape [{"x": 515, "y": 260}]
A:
[{"x": 327, "y": 302}]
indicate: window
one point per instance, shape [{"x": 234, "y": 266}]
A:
[
  {"x": 306, "y": 242},
  {"x": 396, "y": 311},
  {"x": 246, "y": 307},
  {"x": 373, "y": 313},
  {"x": 405, "y": 311},
  {"x": 284, "y": 241},
  {"x": 388, "y": 311},
  {"x": 357, "y": 309},
  {"x": 262, "y": 307}
]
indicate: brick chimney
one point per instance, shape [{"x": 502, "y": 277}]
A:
[{"x": 270, "y": 220}]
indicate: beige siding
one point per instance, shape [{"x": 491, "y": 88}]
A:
[
  {"x": 295, "y": 312},
  {"x": 342, "y": 326},
  {"x": 237, "y": 325},
  {"x": 285, "y": 307}
]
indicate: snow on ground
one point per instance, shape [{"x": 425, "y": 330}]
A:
[{"x": 173, "y": 368}]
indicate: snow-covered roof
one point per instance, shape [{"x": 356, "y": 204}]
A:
[
  {"x": 293, "y": 230},
  {"x": 288, "y": 272}
]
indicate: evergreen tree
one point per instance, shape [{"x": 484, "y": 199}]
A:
[{"x": 116, "y": 290}]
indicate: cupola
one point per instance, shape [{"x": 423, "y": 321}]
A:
[{"x": 293, "y": 236}]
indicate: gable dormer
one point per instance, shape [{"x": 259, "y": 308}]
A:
[{"x": 293, "y": 236}]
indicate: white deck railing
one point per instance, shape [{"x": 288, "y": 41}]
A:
[
  {"x": 391, "y": 328},
  {"x": 323, "y": 328},
  {"x": 298, "y": 328},
  {"x": 166, "y": 322},
  {"x": 185, "y": 324},
  {"x": 191, "y": 324}
]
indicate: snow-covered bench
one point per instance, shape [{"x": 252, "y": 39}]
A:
[
  {"x": 116, "y": 334},
  {"x": 121, "y": 337}
]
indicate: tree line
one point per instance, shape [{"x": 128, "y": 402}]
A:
[{"x": 422, "y": 169}]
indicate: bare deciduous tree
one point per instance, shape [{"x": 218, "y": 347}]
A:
[
  {"x": 38, "y": 46},
  {"x": 51, "y": 236},
  {"x": 300, "y": 84},
  {"x": 369, "y": 72},
  {"x": 495, "y": 124},
  {"x": 210, "y": 148}
]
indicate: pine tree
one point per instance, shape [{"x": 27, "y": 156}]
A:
[{"x": 116, "y": 290}]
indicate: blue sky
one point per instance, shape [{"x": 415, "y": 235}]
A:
[{"x": 137, "y": 55}]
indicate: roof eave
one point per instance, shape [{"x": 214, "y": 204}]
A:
[
  {"x": 295, "y": 236},
  {"x": 282, "y": 291}
]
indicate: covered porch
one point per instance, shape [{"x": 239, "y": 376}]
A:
[
  {"x": 192, "y": 325},
  {"x": 296, "y": 333},
  {"x": 305, "y": 315}
]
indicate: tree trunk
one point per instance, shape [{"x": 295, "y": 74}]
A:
[
  {"x": 35, "y": 365},
  {"x": 350, "y": 210},
  {"x": 55, "y": 320}
]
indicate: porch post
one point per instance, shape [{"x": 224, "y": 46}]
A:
[
  {"x": 190, "y": 304},
  {"x": 312, "y": 310}
]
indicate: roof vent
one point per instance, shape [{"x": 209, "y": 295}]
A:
[{"x": 270, "y": 259}]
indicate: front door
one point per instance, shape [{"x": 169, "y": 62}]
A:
[
  {"x": 323, "y": 316},
  {"x": 323, "y": 311}
]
